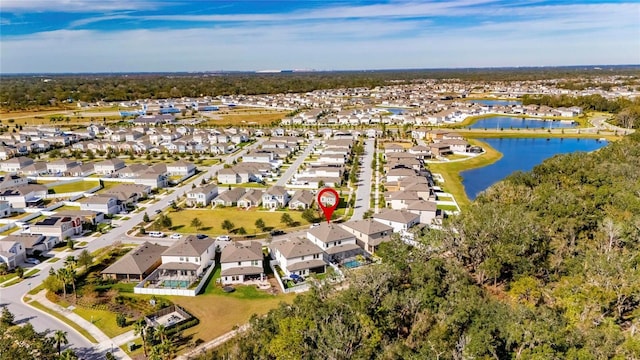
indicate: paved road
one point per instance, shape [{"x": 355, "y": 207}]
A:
[
  {"x": 12, "y": 296},
  {"x": 363, "y": 193},
  {"x": 296, "y": 164}
]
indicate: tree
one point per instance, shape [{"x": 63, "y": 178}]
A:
[
  {"x": 145, "y": 217},
  {"x": 4, "y": 269},
  {"x": 227, "y": 225},
  {"x": 164, "y": 221},
  {"x": 286, "y": 219},
  {"x": 161, "y": 333},
  {"x": 309, "y": 215},
  {"x": 68, "y": 355},
  {"x": 19, "y": 271},
  {"x": 260, "y": 224},
  {"x": 140, "y": 328},
  {"x": 7, "y": 317},
  {"x": 70, "y": 243},
  {"x": 196, "y": 223},
  {"x": 85, "y": 259},
  {"x": 241, "y": 230},
  {"x": 60, "y": 338},
  {"x": 121, "y": 320}
]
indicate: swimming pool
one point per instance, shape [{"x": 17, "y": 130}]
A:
[
  {"x": 175, "y": 284},
  {"x": 352, "y": 264}
]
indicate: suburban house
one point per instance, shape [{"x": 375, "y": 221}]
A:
[
  {"x": 302, "y": 199},
  {"x": 188, "y": 257},
  {"x": 427, "y": 210},
  {"x": 108, "y": 166},
  {"x": 129, "y": 194},
  {"x": 107, "y": 204},
  {"x": 61, "y": 227},
  {"x": 202, "y": 195},
  {"x": 298, "y": 256},
  {"x": 136, "y": 264},
  {"x": 32, "y": 243},
  {"x": 15, "y": 164},
  {"x": 181, "y": 168},
  {"x": 399, "y": 220},
  {"x": 153, "y": 179},
  {"x": 5, "y": 208},
  {"x": 12, "y": 253},
  {"x": 228, "y": 176},
  {"x": 337, "y": 243},
  {"x": 369, "y": 233},
  {"x": 60, "y": 166},
  {"x": 253, "y": 197},
  {"x": 24, "y": 195},
  {"x": 275, "y": 197},
  {"x": 241, "y": 261},
  {"x": 229, "y": 197}
]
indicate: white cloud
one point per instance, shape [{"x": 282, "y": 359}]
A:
[{"x": 25, "y": 6}]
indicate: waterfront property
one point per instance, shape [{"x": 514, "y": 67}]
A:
[{"x": 509, "y": 122}]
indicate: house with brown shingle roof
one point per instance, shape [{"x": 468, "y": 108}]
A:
[
  {"x": 188, "y": 256},
  {"x": 241, "y": 261},
  {"x": 337, "y": 243},
  {"x": 369, "y": 233},
  {"x": 136, "y": 264},
  {"x": 399, "y": 220},
  {"x": 298, "y": 256}
]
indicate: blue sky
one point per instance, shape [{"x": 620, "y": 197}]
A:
[{"x": 191, "y": 35}]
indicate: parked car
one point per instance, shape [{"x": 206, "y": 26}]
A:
[
  {"x": 277, "y": 232},
  {"x": 314, "y": 225},
  {"x": 201, "y": 236},
  {"x": 175, "y": 236},
  {"x": 223, "y": 238},
  {"x": 158, "y": 211},
  {"x": 296, "y": 278},
  {"x": 156, "y": 234},
  {"x": 32, "y": 261}
]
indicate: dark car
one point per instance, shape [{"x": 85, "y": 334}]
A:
[
  {"x": 277, "y": 232},
  {"x": 201, "y": 236},
  {"x": 158, "y": 211}
]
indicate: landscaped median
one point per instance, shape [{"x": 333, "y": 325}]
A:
[{"x": 65, "y": 320}]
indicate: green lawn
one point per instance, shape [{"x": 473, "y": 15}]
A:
[
  {"x": 68, "y": 208},
  {"x": 213, "y": 218},
  {"x": 77, "y": 327},
  {"x": 447, "y": 207},
  {"x": 104, "y": 320},
  {"x": 75, "y": 186}
]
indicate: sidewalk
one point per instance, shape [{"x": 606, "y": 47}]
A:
[{"x": 104, "y": 342}]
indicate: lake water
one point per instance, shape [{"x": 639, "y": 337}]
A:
[
  {"x": 508, "y": 122},
  {"x": 520, "y": 154},
  {"x": 497, "y": 102}
]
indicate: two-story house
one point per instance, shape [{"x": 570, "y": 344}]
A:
[
  {"x": 202, "y": 195},
  {"x": 104, "y": 203},
  {"x": 59, "y": 226},
  {"x": 298, "y": 256},
  {"x": 369, "y": 233},
  {"x": 181, "y": 168},
  {"x": 275, "y": 197},
  {"x": 337, "y": 243},
  {"x": 12, "y": 253},
  {"x": 188, "y": 257},
  {"x": 108, "y": 166},
  {"x": 399, "y": 220},
  {"x": 241, "y": 261}
]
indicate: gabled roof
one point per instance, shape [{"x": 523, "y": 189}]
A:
[
  {"x": 399, "y": 216},
  {"x": 232, "y": 195},
  {"x": 189, "y": 246},
  {"x": 329, "y": 232},
  {"x": 367, "y": 226},
  {"x": 138, "y": 261},
  {"x": 303, "y": 196},
  {"x": 291, "y": 248},
  {"x": 28, "y": 241},
  {"x": 241, "y": 251},
  {"x": 423, "y": 205}
]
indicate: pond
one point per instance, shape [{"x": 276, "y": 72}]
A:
[
  {"x": 510, "y": 122},
  {"x": 520, "y": 154}
]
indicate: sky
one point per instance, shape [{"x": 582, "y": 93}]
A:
[{"x": 59, "y": 36}]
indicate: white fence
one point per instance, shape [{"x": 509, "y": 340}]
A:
[
  {"x": 141, "y": 289},
  {"x": 297, "y": 288}
]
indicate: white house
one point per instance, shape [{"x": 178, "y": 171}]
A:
[
  {"x": 399, "y": 220},
  {"x": 241, "y": 261},
  {"x": 12, "y": 253},
  {"x": 107, "y": 204},
  {"x": 337, "y": 243},
  {"x": 202, "y": 195},
  {"x": 188, "y": 256},
  {"x": 298, "y": 256},
  {"x": 181, "y": 168}
]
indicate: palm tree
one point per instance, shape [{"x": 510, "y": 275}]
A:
[
  {"x": 60, "y": 275},
  {"x": 68, "y": 355},
  {"x": 60, "y": 338},
  {"x": 140, "y": 328},
  {"x": 161, "y": 332}
]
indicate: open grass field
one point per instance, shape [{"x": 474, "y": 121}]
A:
[
  {"x": 246, "y": 117},
  {"x": 77, "y": 327},
  {"x": 220, "y": 312},
  {"x": 75, "y": 186},
  {"x": 104, "y": 320},
  {"x": 213, "y": 218},
  {"x": 451, "y": 171}
]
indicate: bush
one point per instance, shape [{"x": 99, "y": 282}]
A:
[{"x": 121, "y": 320}]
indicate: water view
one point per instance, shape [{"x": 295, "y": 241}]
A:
[
  {"x": 521, "y": 154},
  {"x": 508, "y": 122},
  {"x": 497, "y": 102}
]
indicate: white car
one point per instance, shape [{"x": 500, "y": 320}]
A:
[
  {"x": 223, "y": 238},
  {"x": 314, "y": 225},
  {"x": 32, "y": 261},
  {"x": 176, "y": 236}
]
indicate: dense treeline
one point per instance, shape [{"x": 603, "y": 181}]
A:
[
  {"x": 544, "y": 265},
  {"x": 628, "y": 110},
  {"x": 22, "y": 92}
]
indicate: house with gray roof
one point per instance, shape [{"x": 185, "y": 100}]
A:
[
  {"x": 399, "y": 220},
  {"x": 337, "y": 243},
  {"x": 188, "y": 256},
  {"x": 33, "y": 242},
  {"x": 369, "y": 233},
  {"x": 136, "y": 264},
  {"x": 253, "y": 197},
  {"x": 298, "y": 256},
  {"x": 202, "y": 195},
  {"x": 229, "y": 197},
  {"x": 302, "y": 199},
  {"x": 241, "y": 261},
  {"x": 105, "y": 203},
  {"x": 275, "y": 197},
  {"x": 12, "y": 253}
]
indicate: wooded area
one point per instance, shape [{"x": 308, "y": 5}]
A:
[
  {"x": 19, "y": 92},
  {"x": 544, "y": 265}
]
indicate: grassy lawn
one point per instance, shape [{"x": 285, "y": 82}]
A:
[
  {"x": 104, "y": 320},
  {"x": 447, "y": 207},
  {"x": 246, "y": 116},
  {"x": 77, "y": 327},
  {"x": 75, "y": 186},
  {"x": 451, "y": 171},
  {"x": 16, "y": 280},
  {"x": 7, "y": 277},
  {"x": 53, "y": 259},
  {"x": 213, "y": 218},
  {"x": 219, "y": 312},
  {"x": 67, "y": 208},
  {"x": 10, "y": 231}
]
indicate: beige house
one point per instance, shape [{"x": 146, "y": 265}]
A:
[
  {"x": 337, "y": 243},
  {"x": 298, "y": 256},
  {"x": 137, "y": 264},
  {"x": 369, "y": 233},
  {"x": 241, "y": 261}
]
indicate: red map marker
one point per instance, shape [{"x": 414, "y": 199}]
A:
[{"x": 328, "y": 209}]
